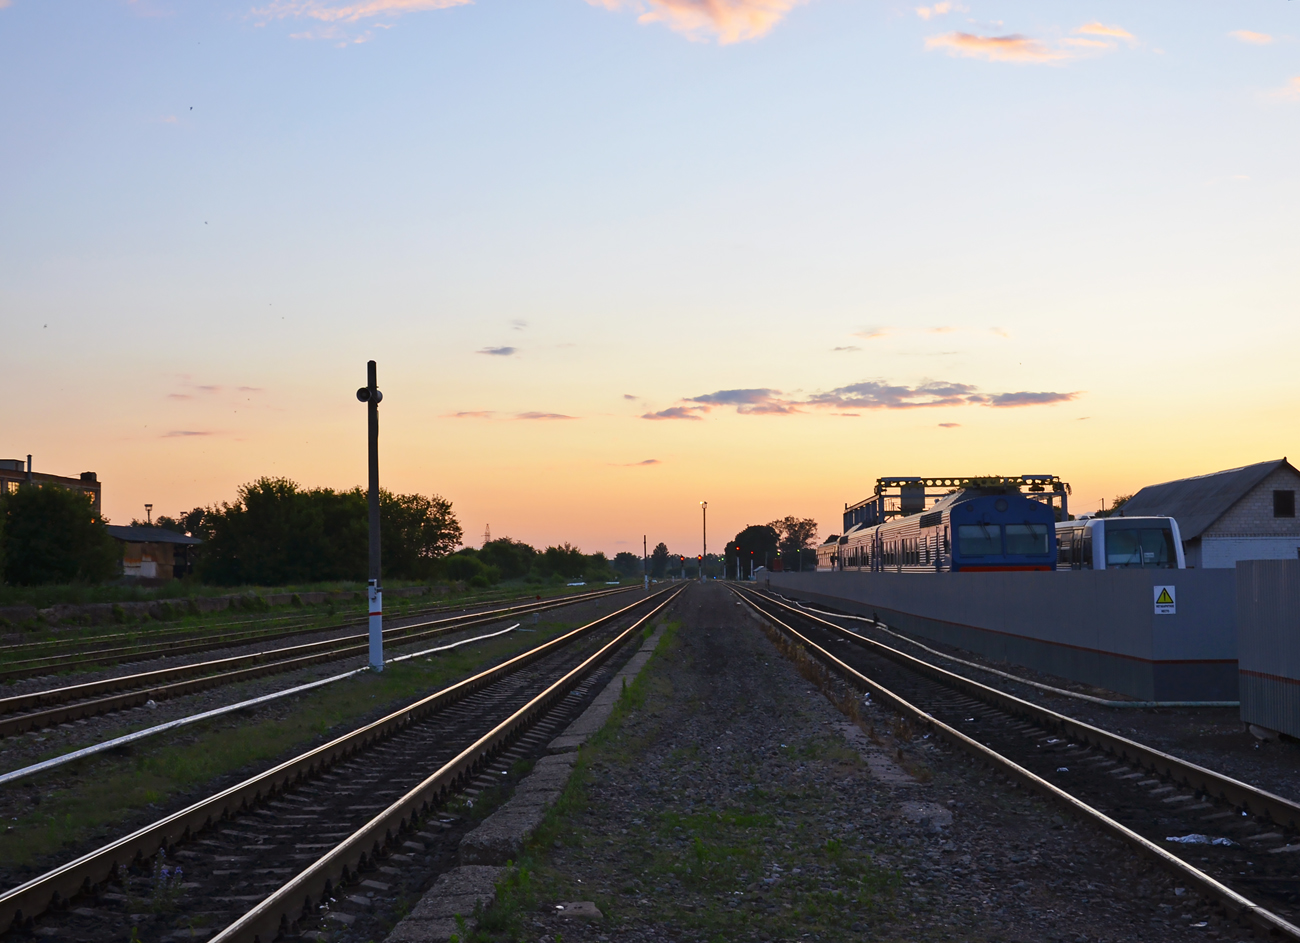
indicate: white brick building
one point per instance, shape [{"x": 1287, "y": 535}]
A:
[{"x": 1244, "y": 513}]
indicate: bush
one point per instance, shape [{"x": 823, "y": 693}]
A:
[
  {"x": 55, "y": 535},
  {"x": 466, "y": 567}
]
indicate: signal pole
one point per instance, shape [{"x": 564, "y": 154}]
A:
[
  {"x": 645, "y": 563},
  {"x": 704, "y": 509},
  {"x": 370, "y": 395}
]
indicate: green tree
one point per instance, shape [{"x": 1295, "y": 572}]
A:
[
  {"x": 512, "y": 558},
  {"x": 659, "y": 560},
  {"x": 565, "y": 561},
  {"x": 796, "y": 535},
  {"x": 414, "y": 532},
  {"x": 628, "y": 564},
  {"x": 277, "y": 533},
  {"x": 759, "y": 542},
  {"x": 597, "y": 568},
  {"x": 55, "y": 535}
]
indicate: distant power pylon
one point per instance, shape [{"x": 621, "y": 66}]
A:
[{"x": 487, "y": 534}]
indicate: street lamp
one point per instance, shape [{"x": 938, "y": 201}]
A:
[
  {"x": 704, "y": 510},
  {"x": 370, "y": 395}
]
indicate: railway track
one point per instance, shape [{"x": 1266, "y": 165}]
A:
[
  {"x": 63, "y": 655},
  {"x": 36, "y": 709},
  {"x": 1137, "y": 793},
  {"x": 305, "y": 841}
]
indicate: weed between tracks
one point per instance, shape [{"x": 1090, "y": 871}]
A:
[
  {"x": 760, "y": 861},
  {"x": 87, "y": 800}
]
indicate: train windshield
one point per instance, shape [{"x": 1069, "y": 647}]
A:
[
  {"x": 1027, "y": 539},
  {"x": 1140, "y": 546},
  {"x": 979, "y": 540}
]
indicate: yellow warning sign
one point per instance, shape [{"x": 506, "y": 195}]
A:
[
  {"x": 1164, "y": 598},
  {"x": 1166, "y": 601}
]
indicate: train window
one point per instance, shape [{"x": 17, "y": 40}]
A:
[
  {"x": 979, "y": 540},
  {"x": 1140, "y": 547},
  {"x": 1027, "y": 539}
]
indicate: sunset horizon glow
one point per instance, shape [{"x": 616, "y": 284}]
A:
[{"x": 616, "y": 257}]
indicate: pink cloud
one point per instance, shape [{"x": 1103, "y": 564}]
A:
[
  {"x": 1290, "y": 91},
  {"x": 1101, "y": 29},
  {"x": 675, "y": 412},
  {"x": 727, "y": 21},
  {"x": 867, "y": 394},
  {"x": 1011, "y": 48},
  {"x": 1250, "y": 36},
  {"x": 543, "y": 416},
  {"x": 350, "y": 12},
  {"x": 1028, "y": 50}
]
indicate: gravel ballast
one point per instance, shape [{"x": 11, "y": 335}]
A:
[{"x": 730, "y": 799}]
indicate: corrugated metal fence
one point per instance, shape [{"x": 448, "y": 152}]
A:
[{"x": 1268, "y": 643}]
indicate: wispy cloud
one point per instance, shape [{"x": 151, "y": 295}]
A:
[
  {"x": 210, "y": 389},
  {"x": 471, "y": 414},
  {"x": 938, "y": 9},
  {"x": 179, "y": 396},
  {"x": 870, "y": 333},
  {"x": 518, "y": 324},
  {"x": 543, "y": 416},
  {"x": 648, "y": 461},
  {"x": 628, "y": 396},
  {"x": 865, "y": 395},
  {"x": 949, "y": 425},
  {"x": 1252, "y": 37},
  {"x": 1010, "y": 48},
  {"x": 498, "y": 351},
  {"x": 182, "y": 433},
  {"x": 727, "y": 21},
  {"x": 847, "y": 347},
  {"x": 1290, "y": 91},
  {"x": 1101, "y": 29},
  {"x": 1089, "y": 39},
  {"x": 326, "y": 12},
  {"x": 676, "y": 412},
  {"x": 758, "y": 402}
]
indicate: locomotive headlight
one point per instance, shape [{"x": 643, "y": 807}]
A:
[{"x": 1000, "y": 504}]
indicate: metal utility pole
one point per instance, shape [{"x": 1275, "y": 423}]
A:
[
  {"x": 370, "y": 395},
  {"x": 704, "y": 509},
  {"x": 148, "y": 514},
  {"x": 645, "y": 563}
]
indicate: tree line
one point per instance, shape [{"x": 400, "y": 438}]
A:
[
  {"x": 785, "y": 543},
  {"x": 277, "y": 532}
]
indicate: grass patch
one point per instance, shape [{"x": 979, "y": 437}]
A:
[
  {"x": 763, "y": 864},
  {"x": 87, "y": 798}
]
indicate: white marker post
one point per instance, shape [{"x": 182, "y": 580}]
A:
[{"x": 370, "y": 395}]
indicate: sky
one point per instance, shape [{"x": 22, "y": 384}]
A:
[{"x": 618, "y": 257}]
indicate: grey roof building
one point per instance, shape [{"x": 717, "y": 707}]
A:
[{"x": 1246, "y": 513}]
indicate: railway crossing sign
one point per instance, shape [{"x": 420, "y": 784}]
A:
[{"x": 1166, "y": 600}]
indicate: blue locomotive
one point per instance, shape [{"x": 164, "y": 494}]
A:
[{"x": 981, "y": 525}]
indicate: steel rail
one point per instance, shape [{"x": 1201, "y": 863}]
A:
[
  {"x": 28, "y": 900},
  {"x": 1059, "y": 692},
  {"x": 106, "y": 745},
  {"x": 199, "y": 642},
  {"x": 285, "y": 906},
  {"x": 1238, "y": 905},
  {"x": 181, "y": 679},
  {"x": 1216, "y": 785}
]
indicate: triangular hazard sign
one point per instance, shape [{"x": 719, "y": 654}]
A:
[{"x": 1164, "y": 599}]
